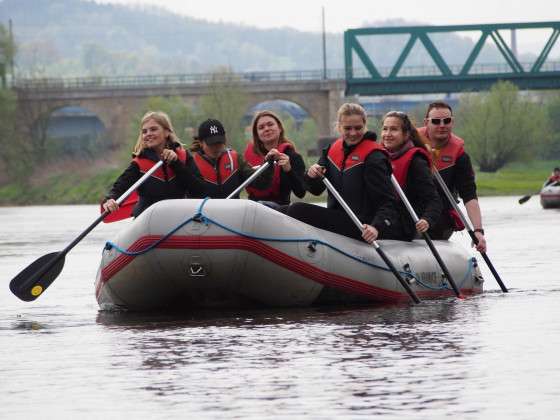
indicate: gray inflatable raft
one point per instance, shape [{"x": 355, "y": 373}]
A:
[{"x": 238, "y": 253}]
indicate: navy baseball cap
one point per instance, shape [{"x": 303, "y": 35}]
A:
[{"x": 211, "y": 132}]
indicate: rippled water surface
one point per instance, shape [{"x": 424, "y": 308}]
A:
[{"x": 491, "y": 356}]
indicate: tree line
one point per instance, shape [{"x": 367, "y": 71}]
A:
[{"x": 499, "y": 126}]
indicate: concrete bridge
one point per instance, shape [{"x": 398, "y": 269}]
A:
[{"x": 115, "y": 100}]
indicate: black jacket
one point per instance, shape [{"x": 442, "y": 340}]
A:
[
  {"x": 422, "y": 194},
  {"x": 153, "y": 189},
  {"x": 379, "y": 207},
  {"x": 289, "y": 181}
]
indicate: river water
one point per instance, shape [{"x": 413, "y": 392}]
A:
[{"x": 490, "y": 356}]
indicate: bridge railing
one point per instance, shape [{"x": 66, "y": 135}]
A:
[
  {"x": 173, "y": 79},
  {"x": 102, "y": 82}
]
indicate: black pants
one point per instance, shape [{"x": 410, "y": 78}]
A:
[
  {"x": 336, "y": 221},
  {"x": 443, "y": 229}
]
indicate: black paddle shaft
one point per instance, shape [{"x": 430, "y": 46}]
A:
[
  {"x": 381, "y": 253},
  {"x": 30, "y": 283},
  {"x": 425, "y": 235},
  {"x": 489, "y": 263},
  {"x": 400, "y": 278},
  {"x": 452, "y": 201},
  {"x": 441, "y": 263}
]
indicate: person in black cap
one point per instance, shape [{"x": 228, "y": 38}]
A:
[{"x": 220, "y": 168}]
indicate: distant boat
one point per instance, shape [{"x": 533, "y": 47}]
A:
[{"x": 550, "y": 196}]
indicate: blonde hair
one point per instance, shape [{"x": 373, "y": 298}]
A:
[
  {"x": 348, "y": 109},
  {"x": 163, "y": 120}
]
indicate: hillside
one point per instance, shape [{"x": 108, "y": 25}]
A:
[{"x": 83, "y": 38}]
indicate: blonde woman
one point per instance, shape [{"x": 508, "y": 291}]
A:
[
  {"x": 156, "y": 141},
  {"x": 360, "y": 171}
]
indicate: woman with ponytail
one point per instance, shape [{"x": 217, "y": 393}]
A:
[{"x": 411, "y": 165}]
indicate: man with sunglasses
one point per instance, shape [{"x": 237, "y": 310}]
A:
[{"x": 454, "y": 166}]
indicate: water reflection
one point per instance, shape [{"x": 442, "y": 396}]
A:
[
  {"x": 374, "y": 354},
  {"x": 487, "y": 356}
]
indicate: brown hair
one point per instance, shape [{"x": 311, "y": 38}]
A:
[
  {"x": 438, "y": 104},
  {"x": 258, "y": 146},
  {"x": 162, "y": 119},
  {"x": 408, "y": 128}
]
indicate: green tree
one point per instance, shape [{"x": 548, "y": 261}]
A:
[
  {"x": 14, "y": 159},
  {"x": 7, "y": 53},
  {"x": 226, "y": 101},
  {"x": 551, "y": 146},
  {"x": 500, "y": 126}
]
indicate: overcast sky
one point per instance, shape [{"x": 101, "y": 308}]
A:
[{"x": 305, "y": 15}]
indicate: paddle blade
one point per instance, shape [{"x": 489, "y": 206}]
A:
[
  {"x": 30, "y": 283},
  {"x": 524, "y": 199},
  {"x": 124, "y": 211}
]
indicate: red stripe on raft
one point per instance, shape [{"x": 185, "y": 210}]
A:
[{"x": 267, "y": 252}]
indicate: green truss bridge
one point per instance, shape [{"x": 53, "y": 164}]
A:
[{"x": 473, "y": 72}]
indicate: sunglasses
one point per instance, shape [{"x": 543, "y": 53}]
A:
[{"x": 437, "y": 121}]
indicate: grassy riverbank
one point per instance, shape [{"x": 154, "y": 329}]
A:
[{"x": 88, "y": 186}]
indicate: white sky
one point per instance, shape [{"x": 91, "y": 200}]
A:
[
  {"x": 340, "y": 15},
  {"x": 305, "y": 15}
]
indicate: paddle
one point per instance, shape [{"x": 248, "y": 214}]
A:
[
  {"x": 381, "y": 253},
  {"x": 124, "y": 211},
  {"x": 250, "y": 179},
  {"x": 425, "y": 235},
  {"x": 30, "y": 283},
  {"x": 451, "y": 200},
  {"x": 526, "y": 198}
]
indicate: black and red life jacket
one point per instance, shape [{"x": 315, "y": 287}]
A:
[
  {"x": 345, "y": 170},
  {"x": 162, "y": 184},
  {"x": 272, "y": 193},
  {"x": 401, "y": 164},
  {"x": 223, "y": 172}
]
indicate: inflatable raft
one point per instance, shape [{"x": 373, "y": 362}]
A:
[
  {"x": 550, "y": 196},
  {"x": 238, "y": 253}
]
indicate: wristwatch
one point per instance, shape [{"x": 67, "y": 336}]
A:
[{"x": 479, "y": 230}]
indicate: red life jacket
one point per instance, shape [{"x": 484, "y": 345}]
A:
[
  {"x": 346, "y": 173},
  {"x": 227, "y": 166},
  {"x": 402, "y": 163},
  {"x": 355, "y": 158},
  {"x": 145, "y": 164},
  {"x": 447, "y": 156},
  {"x": 273, "y": 191},
  {"x": 151, "y": 187}
]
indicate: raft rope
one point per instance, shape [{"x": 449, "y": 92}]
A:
[{"x": 200, "y": 217}]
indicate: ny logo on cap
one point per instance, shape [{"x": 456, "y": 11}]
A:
[{"x": 213, "y": 129}]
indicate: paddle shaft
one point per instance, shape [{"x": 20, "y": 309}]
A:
[
  {"x": 119, "y": 201},
  {"x": 255, "y": 174},
  {"x": 380, "y": 251},
  {"x": 425, "y": 235},
  {"x": 28, "y": 283},
  {"x": 452, "y": 201}
]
